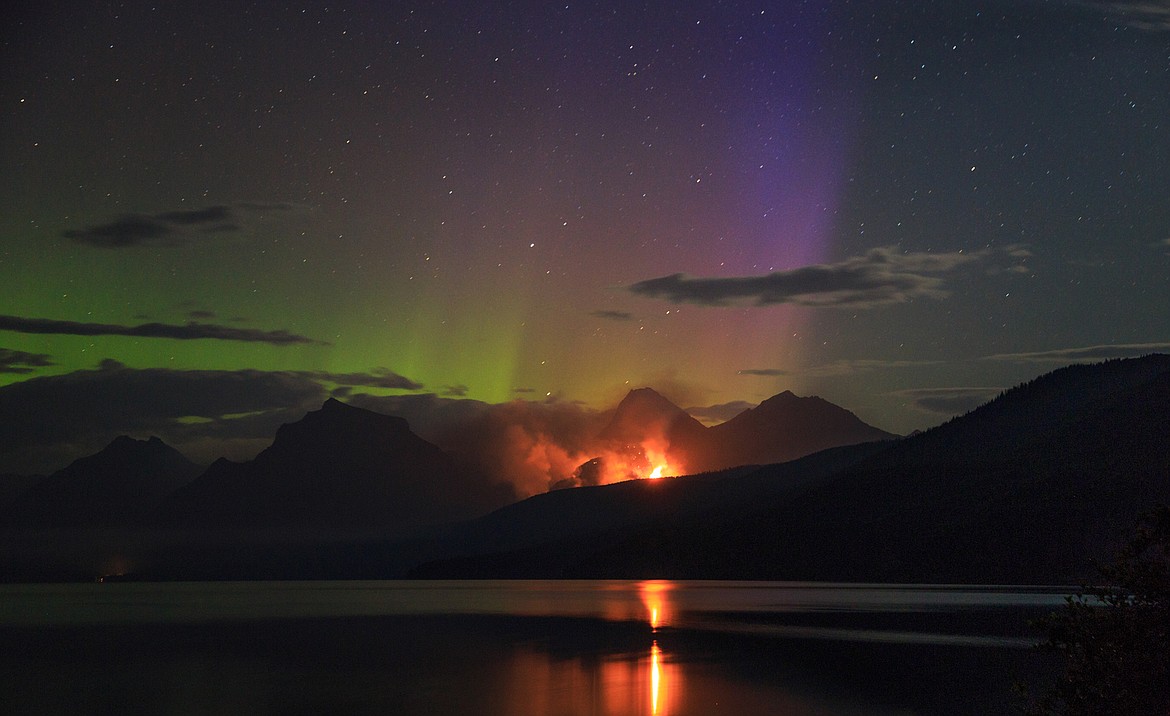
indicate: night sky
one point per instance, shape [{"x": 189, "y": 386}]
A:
[{"x": 211, "y": 219}]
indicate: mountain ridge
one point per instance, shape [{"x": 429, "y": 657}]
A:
[{"x": 919, "y": 510}]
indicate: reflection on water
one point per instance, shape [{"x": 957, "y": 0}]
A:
[
  {"x": 650, "y": 647},
  {"x": 656, "y": 679},
  {"x": 654, "y": 596}
]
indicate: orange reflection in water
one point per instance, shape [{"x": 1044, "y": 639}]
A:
[
  {"x": 640, "y": 683},
  {"x": 655, "y": 676},
  {"x": 655, "y": 597},
  {"x": 662, "y": 677}
]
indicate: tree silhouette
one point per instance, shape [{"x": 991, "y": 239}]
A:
[{"x": 1114, "y": 641}]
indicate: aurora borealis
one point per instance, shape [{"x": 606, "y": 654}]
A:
[{"x": 212, "y": 219}]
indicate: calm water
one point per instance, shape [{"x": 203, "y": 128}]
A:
[{"x": 516, "y": 647}]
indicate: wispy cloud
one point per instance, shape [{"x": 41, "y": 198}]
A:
[
  {"x": 20, "y": 362},
  {"x": 168, "y": 227},
  {"x": 714, "y": 414},
  {"x": 379, "y": 378},
  {"x": 948, "y": 401},
  {"x": 189, "y": 331},
  {"x": 765, "y": 372},
  {"x": 839, "y": 367},
  {"x": 881, "y": 277},
  {"x": 1150, "y": 15},
  {"x": 613, "y": 315},
  {"x": 1087, "y": 354},
  {"x": 50, "y": 420}
]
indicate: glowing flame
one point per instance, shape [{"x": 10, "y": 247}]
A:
[{"x": 657, "y": 473}]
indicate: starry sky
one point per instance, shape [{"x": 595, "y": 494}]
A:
[{"x": 211, "y": 220}]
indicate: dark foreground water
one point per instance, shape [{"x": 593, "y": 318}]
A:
[{"x": 516, "y": 647}]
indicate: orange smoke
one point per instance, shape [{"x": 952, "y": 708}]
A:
[
  {"x": 534, "y": 447},
  {"x": 648, "y": 459}
]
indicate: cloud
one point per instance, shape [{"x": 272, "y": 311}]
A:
[
  {"x": 14, "y": 361},
  {"x": 530, "y": 445},
  {"x": 380, "y": 378},
  {"x": 862, "y": 365},
  {"x": 50, "y": 420},
  {"x": 1150, "y": 15},
  {"x": 195, "y": 217},
  {"x": 129, "y": 230},
  {"x": 190, "y": 331},
  {"x": 839, "y": 367},
  {"x": 167, "y": 227},
  {"x": 948, "y": 401},
  {"x": 201, "y": 315},
  {"x": 714, "y": 414},
  {"x": 455, "y": 391},
  {"x": 1087, "y": 354},
  {"x": 883, "y": 276},
  {"x": 613, "y": 315}
]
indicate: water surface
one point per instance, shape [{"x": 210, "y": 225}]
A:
[{"x": 517, "y": 647}]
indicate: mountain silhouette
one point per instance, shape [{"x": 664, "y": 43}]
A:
[
  {"x": 1029, "y": 488},
  {"x": 339, "y": 468},
  {"x": 119, "y": 485},
  {"x": 782, "y": 428},
  {"x": 644, "y": 420},
  {"x": 644, "y": 411}
]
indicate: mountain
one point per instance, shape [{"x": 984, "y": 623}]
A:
[
  {"x": 1030, "y": 488},
  {"x": 643, "y": 411},
  {"x": 551, "y": 529},
  {"x": 339, "y": 468},
  {"x": 782, "y": 428},
  {"x": 119, "y": 485}
]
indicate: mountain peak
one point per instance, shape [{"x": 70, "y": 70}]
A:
[
  {"x": 124, "y": 445},
  {"x": 332, "y": 404},
  {"x": 641, "y": 410},
  {"x": 647, "y": 395}
]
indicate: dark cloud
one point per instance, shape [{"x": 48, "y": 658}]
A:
[
  {"x": 129, "y": 230},
  {"x": 1150, "y": 15},
  {"x": 767, "y": 372},
  {"x": 194, "y": 217},
  {"x": 380, "y": 378},
  {"x": 613, "y": 315},
  {"x": 189, "y": 331},
  {"x": 1087, "y": 354},
  {"x": 839, "y": 367},
  {"x": 949, "y": 401},
  {"x": 261, "y": 206},
  {"x": 53, "y": 419},
  {"x": 201, "y": 315},
  {"x": 530, "y": 445},
  {"x": 430, "y": 415},
  {"x": 14, "y": 361},
  {"x": 861, "y": 365},
  {"x": 168, "y": 227},
  {"x": 455, "y": 391},
  {"x": 881, "y": 277},
  {"x": 714, "y": 414}
]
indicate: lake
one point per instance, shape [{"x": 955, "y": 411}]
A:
[{"x": 517, "y": 647}]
